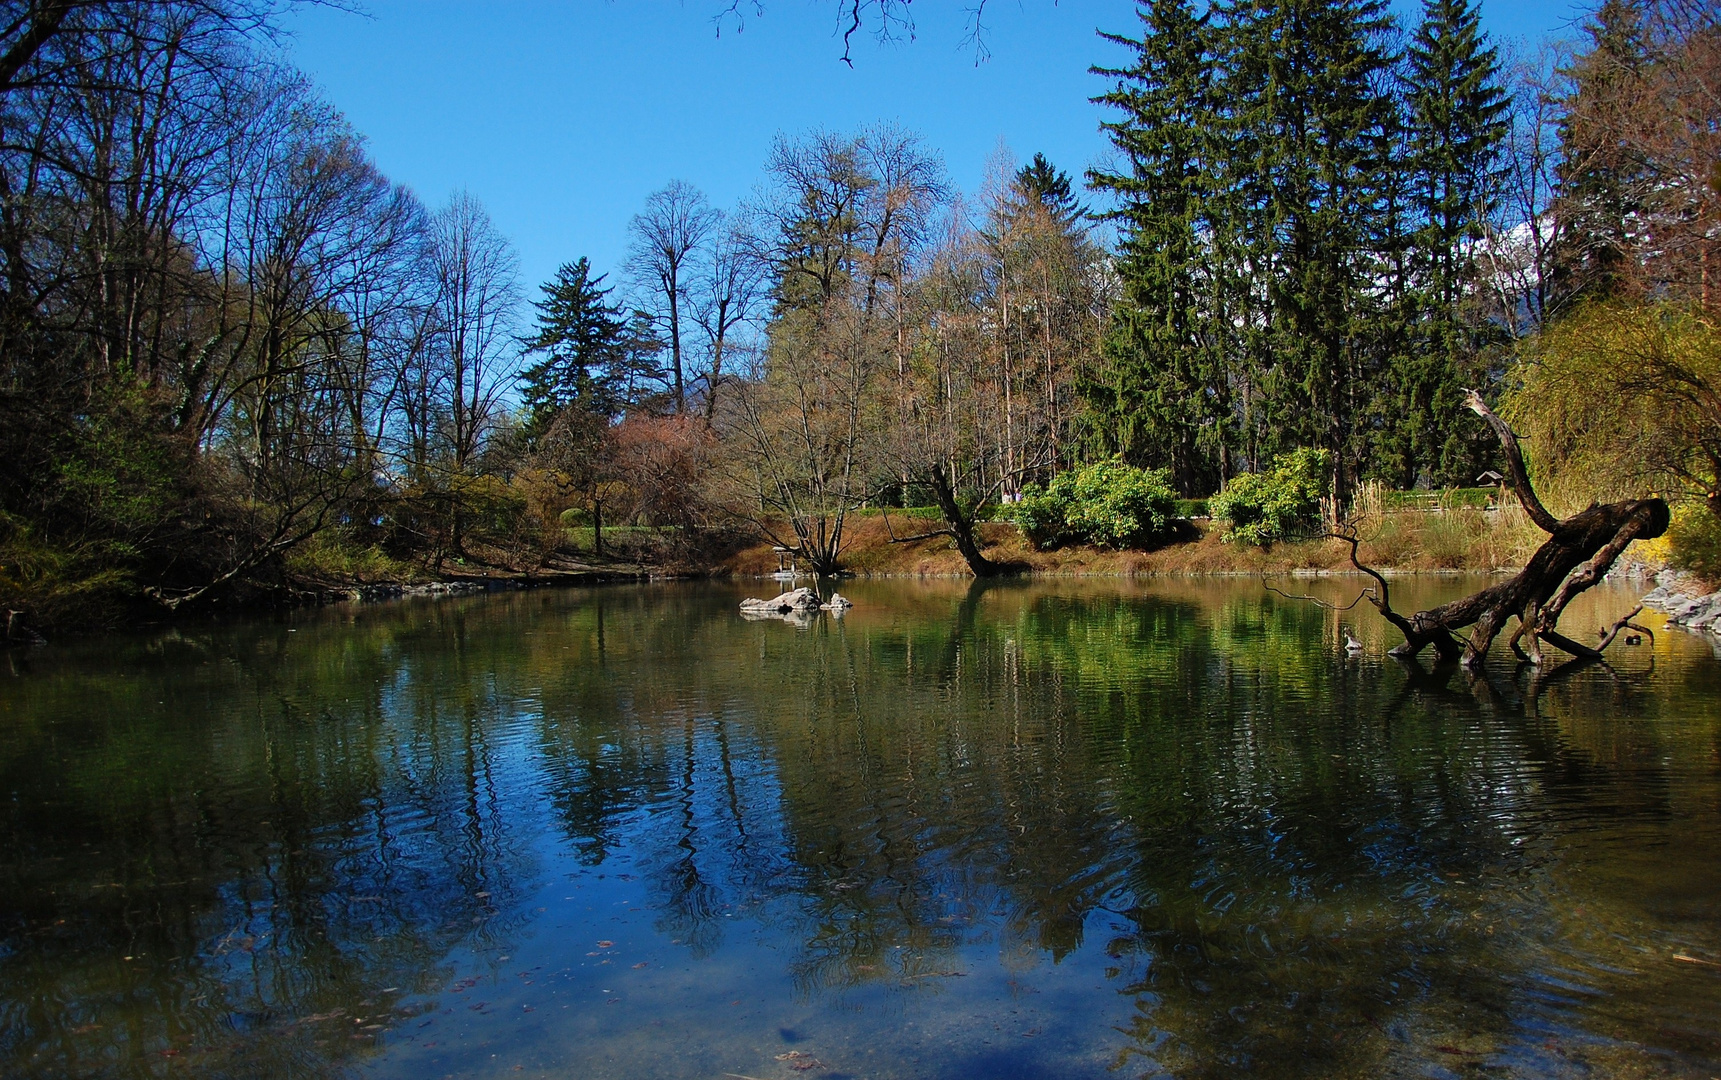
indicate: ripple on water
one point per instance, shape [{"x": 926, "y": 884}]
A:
[{"x": 1067, "y": 828}]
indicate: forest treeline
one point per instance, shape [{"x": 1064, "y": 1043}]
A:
[{"x": 235, "y": 358}]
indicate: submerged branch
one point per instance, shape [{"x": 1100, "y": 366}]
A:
[
  {"x": 1576, "y": 556},
  {"x": 1366, "y": 594}
]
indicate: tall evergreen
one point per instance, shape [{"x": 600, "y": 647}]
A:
[
  {"x": 593, "y": 354},
  {"x": 1298, "y": 211},
  {"x": 1053, "y": 189},
  {"x": 1599, "y": 185},
  {"x": 1457, "y": 115},
  {"x": 1308, "y": 106},
  {"x": 1455, "y": 110},
  {"x": 1158, "y": 395}
]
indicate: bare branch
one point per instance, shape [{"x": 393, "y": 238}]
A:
[
  {"x": 1317, "y": 601},
  {"x": 1516, "y": 472}
]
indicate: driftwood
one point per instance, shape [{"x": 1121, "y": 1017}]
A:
[{"x": 1578, "y": 553}]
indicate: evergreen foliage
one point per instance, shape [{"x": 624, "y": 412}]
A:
[
  {"x": 1298, "y": 213},
  {"x": 1304, "y": 86},
  {"x": 1455, "y": 110},
  {"x": 1052, "y": 188},
  {"x": 594, "y": 356},
  {"x": 1599, "y": 181},
  {"x": 1160, "y": 396}
]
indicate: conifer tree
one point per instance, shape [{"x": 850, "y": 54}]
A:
[
  {"x": 594, "y": 355},
  {"x": 1599, "y": 184},
  {"x": 1053, "y": 189},
  {"x": 1307, "y": 106},
  {"x": 1157, "y": 396},
  {"x": 1455, "y": 119}
]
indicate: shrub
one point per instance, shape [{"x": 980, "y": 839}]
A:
[
  {"x": 1267, "y": 506},
  {"x": 1694, "y": 541},
  {"x": 1107, "y": 503},
  {"x": 1041, "y": 515},
  {"x": 335, "y": 555}
]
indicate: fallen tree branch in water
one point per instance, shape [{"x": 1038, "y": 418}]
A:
[
  {"x": 1576, "y": 556},
  {"x": 1317, "y": 601}
]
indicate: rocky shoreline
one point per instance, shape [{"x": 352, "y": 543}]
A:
[{"x": 1679, "y": 596}]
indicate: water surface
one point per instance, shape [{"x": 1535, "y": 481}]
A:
[{"x": 1060, "y": 829}]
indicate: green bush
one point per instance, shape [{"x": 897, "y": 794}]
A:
[
  {"x": 1694, "y": 541},
  {"x": 1107, "y": 503},
  {"x": 337, "y": 555},
  {"x": 1267, "y": 506},
  {"x": 1041, "y": 514}
]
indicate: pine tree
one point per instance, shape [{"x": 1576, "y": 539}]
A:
[
  {"x": 1599, "y": 185},
  {"x": 593, "y": 353},
  {"x": 1455, "y": 119},
  {"x": 1053, "y": 189},
  {"x": 1309, "y": 118},
  {"x": 1157, "y": 396}
]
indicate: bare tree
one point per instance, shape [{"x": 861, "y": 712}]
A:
[
  {"x": 472, "y": 348},
  {"x": 1044, "y": 292},
  {"x": 726, "y": 294},
  {"x": 1674, "y": 131},
  {"x": 1639, "y": 206},
  {"x": 477, "y": 298},
  {"x": 998, "y": 321},
  {"x": 840, "y": 228},
  {"x": 665, "y": 238},
  {"x": 806, "y": 435},
  {"x": 944, "y": 416},
  {"x": 1517, "y": 255}
]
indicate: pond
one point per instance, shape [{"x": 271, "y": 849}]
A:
[{"x": 1067, "y": 828}]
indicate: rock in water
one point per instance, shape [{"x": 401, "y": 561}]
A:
[
  {"x": 1676, "y": 596},
  {"x": 795, "y": 600},
  {"x": 837, "y": 602}
]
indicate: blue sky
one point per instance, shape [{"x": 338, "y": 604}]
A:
[{"x": 563, "y": 116}]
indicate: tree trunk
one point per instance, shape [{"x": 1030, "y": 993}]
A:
[
  {"x": 961, "y": 525},
  {"x": 1577, "y": 555}
]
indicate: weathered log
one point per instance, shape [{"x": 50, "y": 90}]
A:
[{"x": 1578, "y": 553}]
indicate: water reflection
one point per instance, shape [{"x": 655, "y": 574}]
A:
[{"x": 1064, "y": 829}]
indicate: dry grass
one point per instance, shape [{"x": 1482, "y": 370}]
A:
[{"x": 1472, "y": 540}]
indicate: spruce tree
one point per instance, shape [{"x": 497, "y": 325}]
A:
[
  {"x": 1455, "y": 110},
  {"x": 1599, "y": 185},
  {"x": 1053, "y": 189},
  {"x": 1157, "y": 395},
  {"x": 591, "y": 351},
  {"x": 1308, "y": 116}
]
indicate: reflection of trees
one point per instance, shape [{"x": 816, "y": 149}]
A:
[
  {"x": 1263, "y": 832},
  {"x": 1263, "y": 836},
  {"x": 275, "y": 869}
]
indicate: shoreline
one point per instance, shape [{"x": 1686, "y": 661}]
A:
[{"x": 872, "y": 553}]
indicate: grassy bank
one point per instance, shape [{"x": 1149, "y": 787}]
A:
[
  {"x": 332, "y": 567},
  {"x": 1407, "y": 541}
]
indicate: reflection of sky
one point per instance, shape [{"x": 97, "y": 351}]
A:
[{"x": 1051, "y": 828}]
